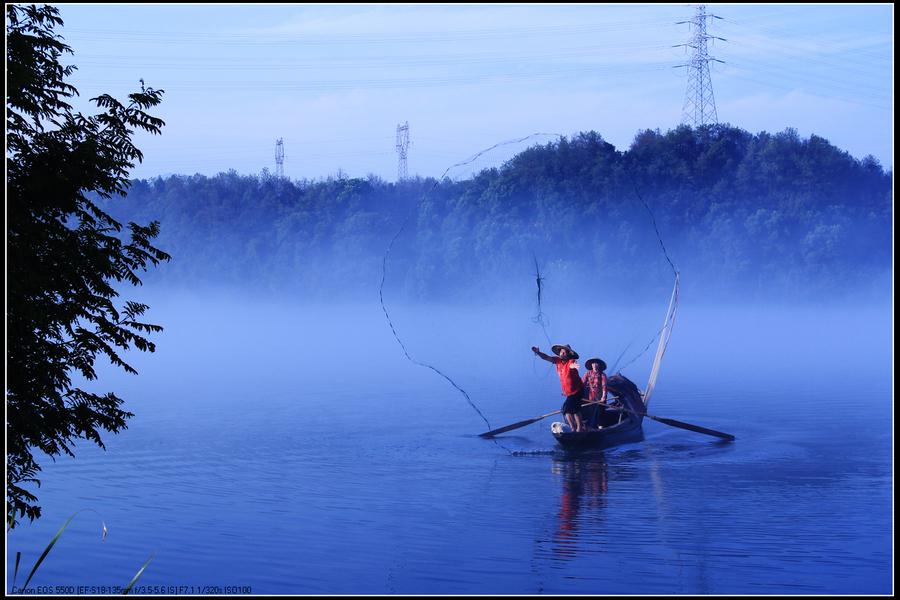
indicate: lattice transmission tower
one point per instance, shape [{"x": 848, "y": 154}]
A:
[
  {"x": 402, "y": 147},
  {"x": 279, "y": 158},
  {"x": 699, "y": 103}
]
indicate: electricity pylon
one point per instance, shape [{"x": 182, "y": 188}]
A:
[
  {"x": 699, "y": 104},
  {"x": 402, "y": 147},
  {"x": 279, "y": 158}
]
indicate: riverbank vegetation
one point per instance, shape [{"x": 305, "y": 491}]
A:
[{"x": 741, "y": 215}]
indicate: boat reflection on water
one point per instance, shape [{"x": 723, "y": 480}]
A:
[{"x": 582, "y": 504}]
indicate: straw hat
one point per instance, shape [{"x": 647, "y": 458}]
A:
[
  {"x": 589, "y": 365},
  {"x": 557, "y": 347}
]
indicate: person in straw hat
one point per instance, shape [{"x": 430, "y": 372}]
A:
[
  {"x": 572, "y": 386},
  {"x": 595, "y": 383}
]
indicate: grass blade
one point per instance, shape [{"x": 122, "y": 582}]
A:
[
  {"x": 128, "y": 589},
  {"x": 53, "y": 541}
]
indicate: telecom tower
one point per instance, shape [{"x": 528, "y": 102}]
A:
[
  {"x": 279, "y": 158},
  {"x": 699, "y": 104},
  {"x": 402, "y": 147}
]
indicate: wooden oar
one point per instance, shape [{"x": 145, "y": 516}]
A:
[
  {"x": 494, "y": 432},
  {"x": 664, "y": 421},
  {"x": 674, "y": 423}
]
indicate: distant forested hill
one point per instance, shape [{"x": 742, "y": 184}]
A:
[{"x": 764, "y": 215}]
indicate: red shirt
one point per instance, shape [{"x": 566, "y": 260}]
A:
[
  {"x": 595, "y": 383},
  {"x": 568, "y": 376}
]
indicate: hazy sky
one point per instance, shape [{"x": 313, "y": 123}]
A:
[{"x": 335, "y": 81}]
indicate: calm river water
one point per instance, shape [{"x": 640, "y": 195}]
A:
[{"x": 278, "y": 450}]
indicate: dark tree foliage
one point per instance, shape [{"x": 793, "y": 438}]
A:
[
  {"x": 742, "y": 215},
  {"x": 64, "y": 253}
]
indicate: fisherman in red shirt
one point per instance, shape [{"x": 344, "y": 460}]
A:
[{"x": 572, "y": 386}]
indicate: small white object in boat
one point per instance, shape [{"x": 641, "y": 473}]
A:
[{"x": 558, "y": 427}]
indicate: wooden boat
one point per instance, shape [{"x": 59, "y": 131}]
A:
[
  {"x": 623, "y": 423},
  {"x": 625, "y": 427},
  {"x": 620, "y": 427}
]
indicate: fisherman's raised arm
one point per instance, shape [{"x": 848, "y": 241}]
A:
[{"x": 537, "y": 352}]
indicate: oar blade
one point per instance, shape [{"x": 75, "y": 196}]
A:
[
  {"x": 697, "y": 428},
  {"x": 674, "y": 423},
  {"x": 494, "y": 432}
]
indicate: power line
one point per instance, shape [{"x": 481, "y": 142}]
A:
[
  {"x": 782, "y": 34},
  {"x": 305, "y": 38}
]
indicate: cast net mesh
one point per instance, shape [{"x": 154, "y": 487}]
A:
[{"x": 503, "y": 252}]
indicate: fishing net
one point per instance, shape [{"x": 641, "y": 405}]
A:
[{"x": 536, "y": 241}]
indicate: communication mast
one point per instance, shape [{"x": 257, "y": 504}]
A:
[
  {"x": 402, "y": 147},
  {"x": 699, "y": 103},
  {"x": 279, "y": 158}
]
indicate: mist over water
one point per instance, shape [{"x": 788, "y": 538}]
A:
[{"x": 293, "y": 448}]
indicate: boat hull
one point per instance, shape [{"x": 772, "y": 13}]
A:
[
  {"x": 627, "y": 429},
  {"x": 594, "y": 439}
]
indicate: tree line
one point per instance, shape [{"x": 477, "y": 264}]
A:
[{"x": 759, "y": 214}]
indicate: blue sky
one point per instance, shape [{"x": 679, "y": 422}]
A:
[{"x": 335, "y": 81}]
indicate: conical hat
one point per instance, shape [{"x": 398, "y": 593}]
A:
[
  {"x": 557, "y": 347},
  {"x": 589, "y": 364}
]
